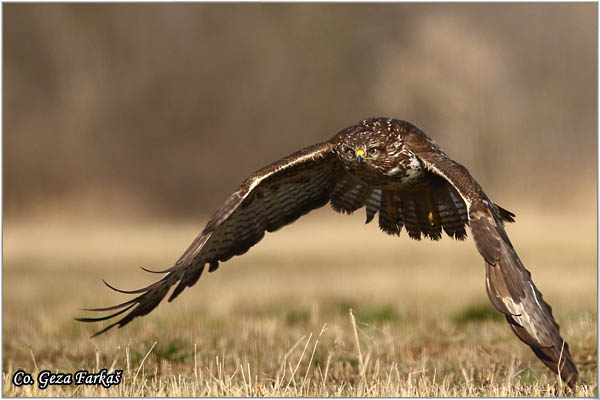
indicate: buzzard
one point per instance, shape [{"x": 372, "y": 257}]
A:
[{"x": 388, "y": 166}]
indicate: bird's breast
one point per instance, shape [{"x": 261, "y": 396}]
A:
[
  {"x": 404, "y": 171},
  {"x": 408, "y": 170}
]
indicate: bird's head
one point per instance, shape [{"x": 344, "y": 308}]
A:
[
  {"x": 360, "y": 154},
  {"x": 369, "y": 144}
]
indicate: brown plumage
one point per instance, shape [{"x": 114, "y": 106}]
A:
[{"x": 388, "y": 166}]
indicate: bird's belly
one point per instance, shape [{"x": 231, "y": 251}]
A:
[
  {"x": 406, "y": 176},
  {"x": 397, "y": 178},
  {"x": 404, "y": 173},
  {"x": 408, "y": 173}
]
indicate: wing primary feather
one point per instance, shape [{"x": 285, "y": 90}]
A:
[
  {"x": 156, "y": 272},
  {"x": 97, "y": 319},
  {"x": 115, "y": 307},
  {"x": 142, "y": 290},
  {"x": 127, "y": 291},
  {"x": 188, "y": 282}
]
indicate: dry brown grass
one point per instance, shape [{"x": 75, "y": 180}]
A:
[{"x": 276, "y": 322}]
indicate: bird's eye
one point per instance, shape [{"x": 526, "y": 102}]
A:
[
  {"x": 349, "y": 152},
  {"x": 373, "y": 152}
]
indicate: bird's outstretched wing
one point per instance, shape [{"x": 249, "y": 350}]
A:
[
  {"x": 274, "y": 196},
  {"x": 509, "y": 285}
]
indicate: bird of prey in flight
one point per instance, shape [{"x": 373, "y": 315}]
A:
[{"x": 387, "y": 166}]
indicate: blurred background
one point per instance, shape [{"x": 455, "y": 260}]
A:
[{"x": 161, "y": 110}]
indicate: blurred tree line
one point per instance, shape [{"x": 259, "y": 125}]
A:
[{"x": 168, "y": 107}]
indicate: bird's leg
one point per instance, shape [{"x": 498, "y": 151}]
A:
[{"x": 433, "y": 217}]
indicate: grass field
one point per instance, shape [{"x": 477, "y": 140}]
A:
[{"x": 278, "y": 321}]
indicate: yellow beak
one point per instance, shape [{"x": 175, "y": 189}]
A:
[{"x": 360, "y": 156}]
